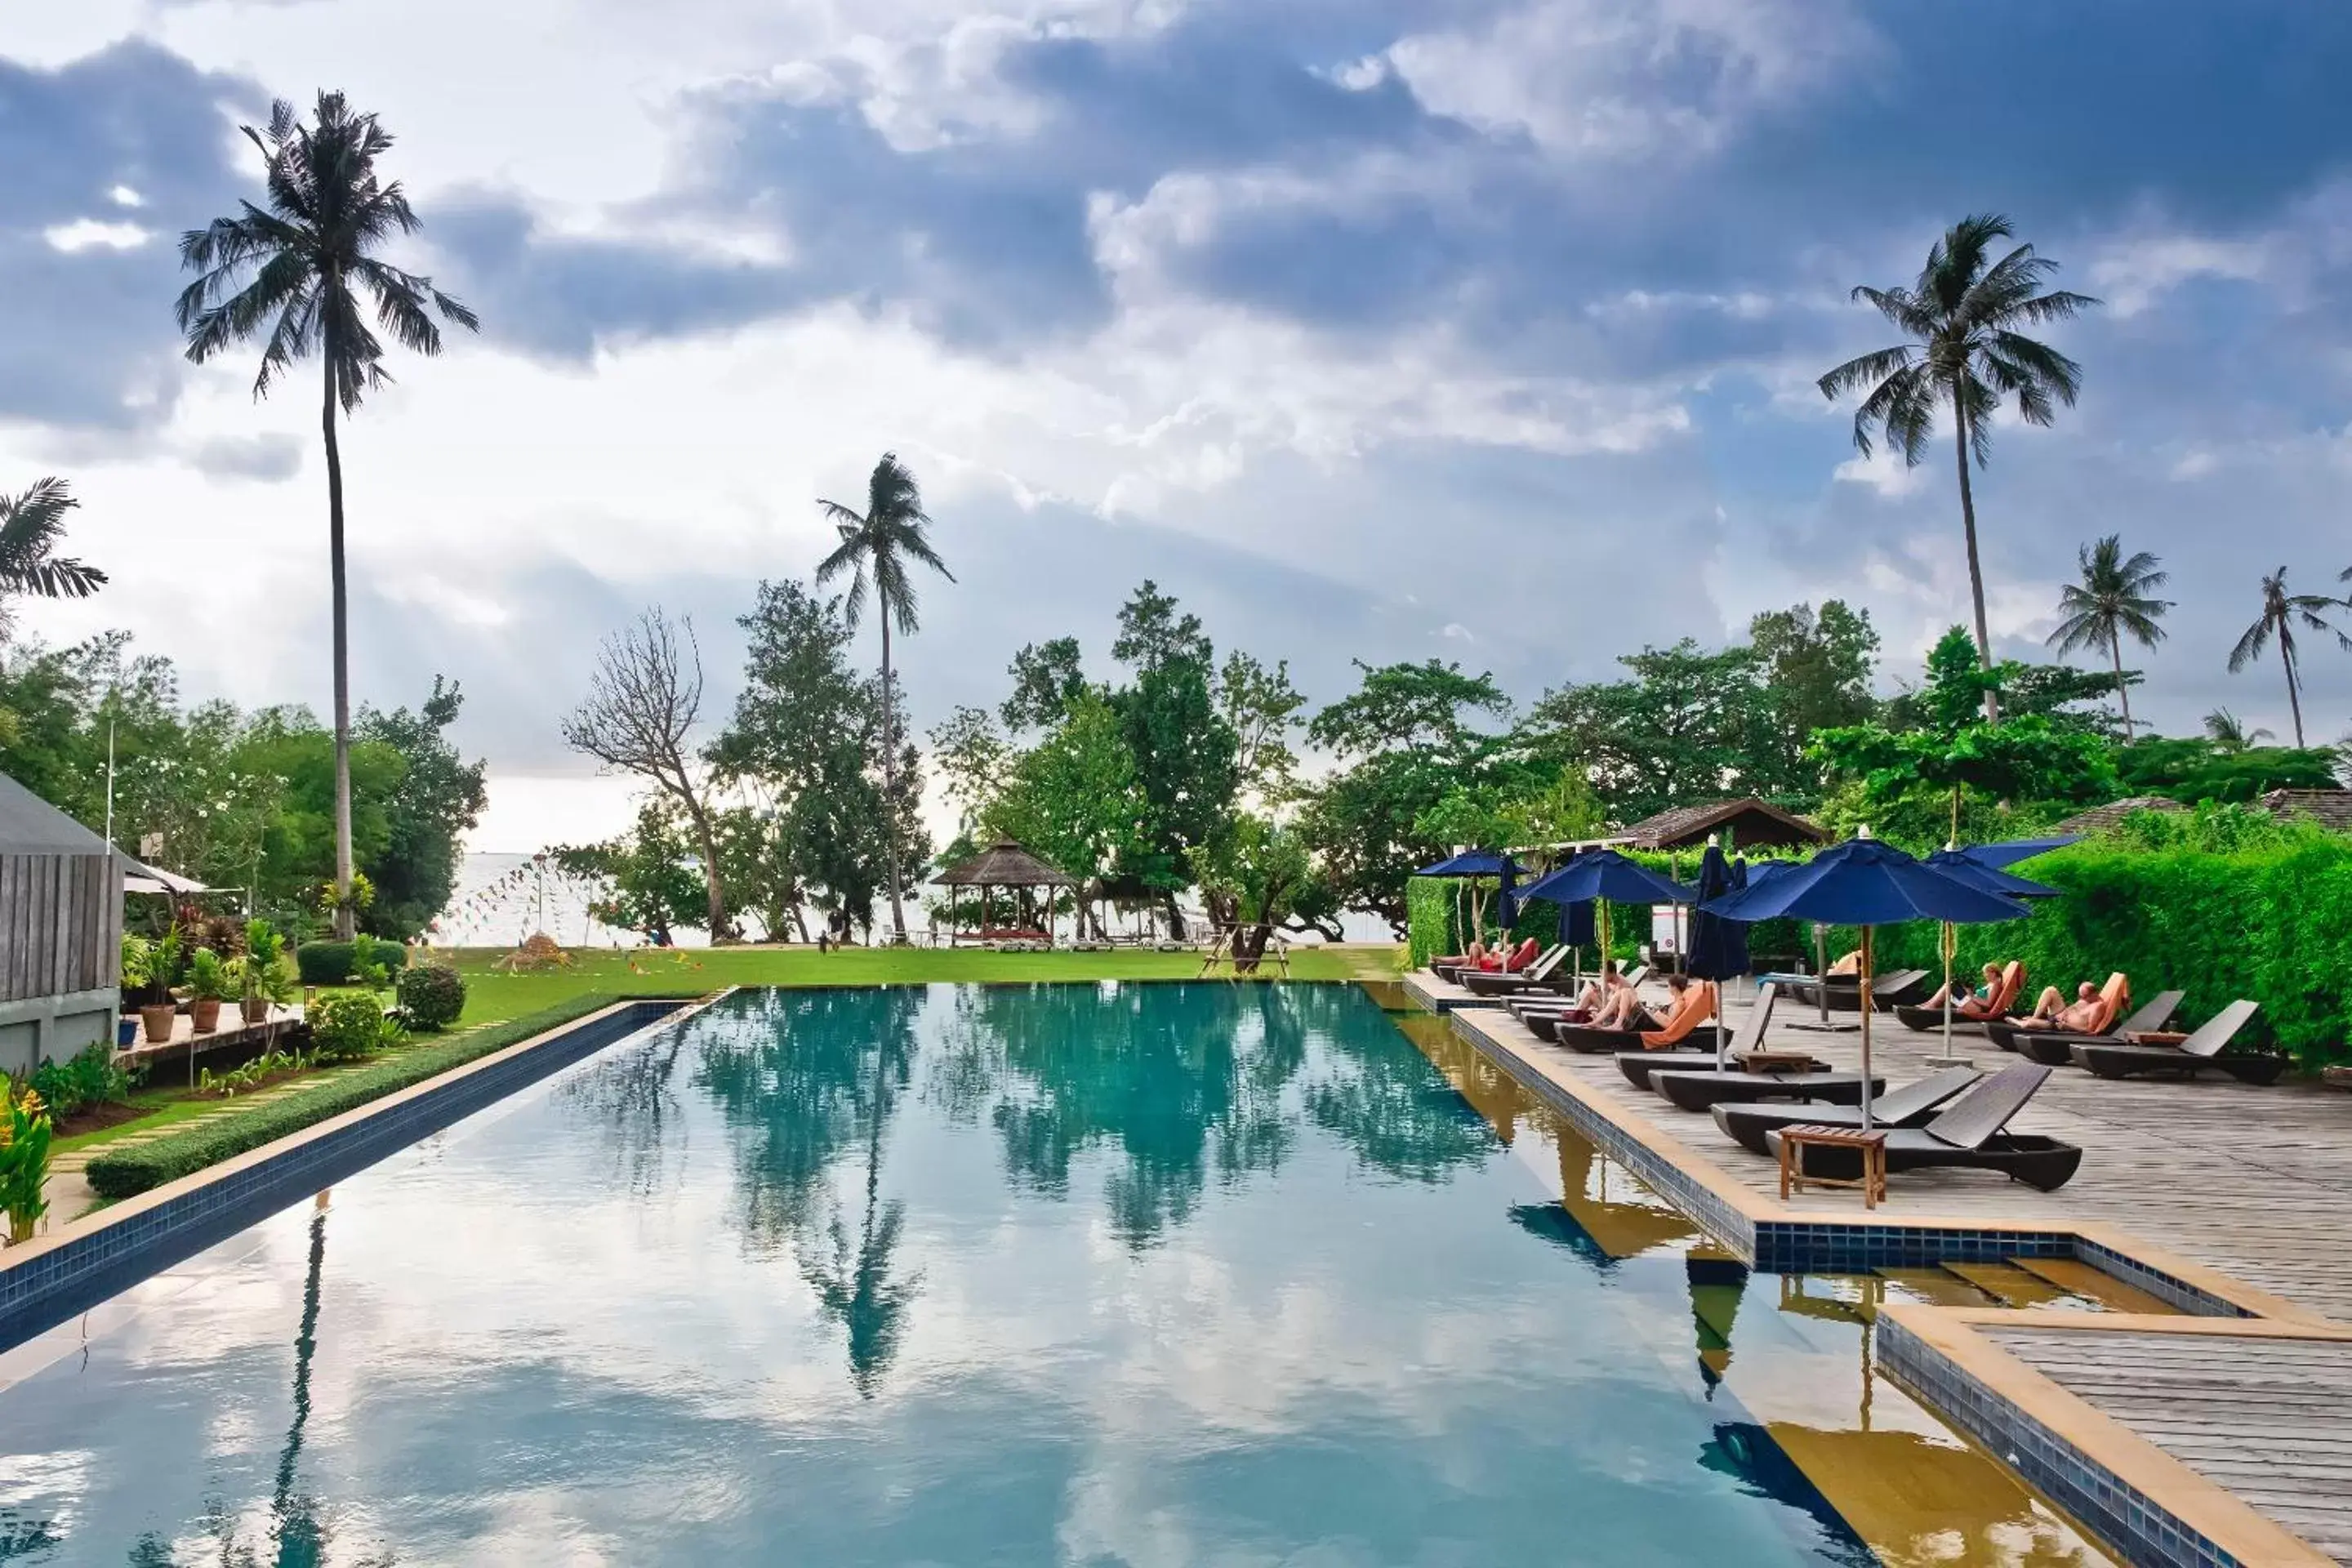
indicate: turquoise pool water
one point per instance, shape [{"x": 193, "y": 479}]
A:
[{"x": 1088, "y": 1275}]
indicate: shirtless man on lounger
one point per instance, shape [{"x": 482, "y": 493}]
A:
[{"x": 2053, "y": 1011}]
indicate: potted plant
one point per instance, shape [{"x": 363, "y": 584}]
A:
[
  {"x": 24, "y": 1132},
  {"x": 264, "y": 976},
  {"x": 138, "y": 968},
  {"x": 156, "y": 1008},
  {"x": 207, "y": 983}
]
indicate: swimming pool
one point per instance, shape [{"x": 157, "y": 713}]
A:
[{"x": 1142, "y": 1274}]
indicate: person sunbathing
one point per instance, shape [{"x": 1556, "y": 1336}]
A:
[
  {"x": 1473, "y": 959},
  {"x": 1595, "y": 992},
  {"x": 1624, "y": 1010},
  {"x": 1692, "y": 1003},
  {"x": 2053, "y": 1011},
  {"x": 1848, "y": 964},
  {"x": 1974, "y": 1002}
]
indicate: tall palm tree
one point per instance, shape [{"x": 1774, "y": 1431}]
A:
[
  {"x": 2114, "y": 598},
  {"x": 2229, "y": 731},
  {"x": 293, "y": 274},
  {"x": 2281, "y": 611},
  {"x": 876, "y": 545},
  {"x": 1961, "y": 318},
  {"x": 31, "y": 527}
]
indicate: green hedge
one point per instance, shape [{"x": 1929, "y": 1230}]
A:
[
  {"x": 324, "y": 963},
  {"x": 131, "y": 1169},
  {"x": 2272, "y": 922}
]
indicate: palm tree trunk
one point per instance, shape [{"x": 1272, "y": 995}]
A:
[
  {"x": 889, "y": 786},
  {"x": 2116, "y": 652},
  {"x": 1975, "y": 570},
  {"x": 2293, "y": 703},
  {"x": 346, "y": 917}
]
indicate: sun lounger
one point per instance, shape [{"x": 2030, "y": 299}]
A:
[
  {"x": 1682, "y": 1023},
  {"x": 1492, "y": 982},
  {"x": 1886, "y": 990},
  {"x": 1911, "y": 1106},
  {"x": 1637, "y": 1066},
  {"x": 2004, "y": 1032},
  {"x": 1705, "y": 1090},
  {"x": 2199, "y": 1052},
  {"x": 2054, "y": 1048},
  {"x": 1967, "y": 1016},
  {"x": 1969, "y": 1134}
]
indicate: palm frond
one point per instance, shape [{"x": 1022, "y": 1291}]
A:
[{"x": 31, "y": 525}]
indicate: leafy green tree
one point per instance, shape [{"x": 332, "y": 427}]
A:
[
  {"x": 880, "y": 543},
  {"x": 2114, "y": 600},
  {"x": 1252, "y": 874},
  {"x": 294, "y": 274},
  {"x": 1816, "y": 671},
  {"x": 647, "y": 877},
  {"x": 1402, "y": 738},
  {"x": 1952, "y": 696},
  {"x": 31, "y": 527},
  {"x": 2025, "y": 758},
  {"x": 1261, "y": 707},
  {"x": 2193, "y": 771},
  {"x": 2282, "y": 612},
  {"x": 1046, "y": 679},
  {"x": 1185, "y": 773},
  {"x": 1964, "y": 349},
  {"x": 439, "y": 797},
  {"x": 973, "y": 759},
  {"x": 1075, "y": 799},
  {"x": 1150, "y": 632},
  {"x": 1685, "y": 729}
]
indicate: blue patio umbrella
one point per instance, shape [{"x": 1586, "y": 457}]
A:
[
  {"x": 1719, "y": 947},
  {"x": 2000, "y": 856},
  {"x": 1605, "y": 875},
  {"x": 1867, "y": 882},
  {"x": 1470, "y": 863}
]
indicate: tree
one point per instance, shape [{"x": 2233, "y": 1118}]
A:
[
  {"x": 1185, "y": 775},
  {"x": 296, "y": 273},
  {"x": 1074, "y": 798},
  {"x": 2192, "y": 771},
  {"x": 644, "y": 702},
  {"x": 2228, "y": 732},
  {"x": 1685, "y": 729},
  {"x": 1151, "y": 634},
  {"x": 1964, "y": 349},
  {"x": 439, "y": 797},
  {"x": 1252, "y": 874},
  {"x": 32, "y": 525},
  {"x": 2280, "y": 611},
  {"x": 2114, "y": 599},
  {"x": 1816, "y": 671},
  {"x": 1261, "y": 707},
  {"x": 1046, "y": 679},
  {"x": 973, "y": 759},
  {"x": 877, "y": 544},
  {"x": 647, "y": 886}
]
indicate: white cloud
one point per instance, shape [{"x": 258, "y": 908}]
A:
[
  {"x": 1620, "y": 77},
  {"x": 2134, "y": 274},
  {"x": 124, "y": 197},
  {"x": 95, "y": 234},
  {"x": 1884, "y": 471}
]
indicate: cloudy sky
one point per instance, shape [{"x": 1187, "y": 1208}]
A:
[{"x": 1482, "y": 329}]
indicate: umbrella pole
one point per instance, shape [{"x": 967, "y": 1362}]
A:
[
  {"x": 1822, "y": 969},
  {"x": 1866, "y": 1028},
  {"x": 1949, "y": 943}
]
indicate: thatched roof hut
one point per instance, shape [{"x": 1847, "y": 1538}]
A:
[
  {"x": 1003, "y": 864},
  {"x": 1007, "y": 865}
]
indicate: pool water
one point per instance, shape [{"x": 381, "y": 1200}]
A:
[{"x": 1090, "y": 1275}]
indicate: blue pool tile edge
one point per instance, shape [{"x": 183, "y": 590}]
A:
[
  {"x": 55, "y": 1284},
  {"x": 2117, "y": 1511}
]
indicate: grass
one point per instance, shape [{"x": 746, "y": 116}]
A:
[{"x": 492, "y": 995}]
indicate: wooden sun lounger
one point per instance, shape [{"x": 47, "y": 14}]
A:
[
  {"x": 1705, "y": 1090},
  {"x": 2004, "y": 1032},
  {"x": 1638, "y": 1065},
  {"x": 2199, "y": 1052},
  {"x": 1911, "y": 1106},
  {"x": 1970, "y": 1134},
  {"x": 1535, "y": 976},
  {"x": 1928, "y": 1017},
  {"x": 2054, "y": 1048},
  {"x": 1886, "y": 990}
]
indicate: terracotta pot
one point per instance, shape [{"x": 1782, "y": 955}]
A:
[
  {"x": 156, "y": 1020},
  {"x": 256, "y": 1011},
  {"x": 206, "y": 1011}
]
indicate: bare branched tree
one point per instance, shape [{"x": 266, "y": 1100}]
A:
[{"x": 642, "y": 703}]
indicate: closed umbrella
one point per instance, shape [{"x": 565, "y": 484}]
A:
[
  {"x": 1506, "y": 905},
  {"x": 1868, "y": 883},
  {"x": 1719, "y": 947},
  {"x": 1979, "y": 871}
]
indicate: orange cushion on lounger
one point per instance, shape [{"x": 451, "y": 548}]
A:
[{"x": 1697, "y": 1003}]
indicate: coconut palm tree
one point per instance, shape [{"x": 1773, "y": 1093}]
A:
[
  {"x": 2229, "y": 731},
  {"x": 294, "y": 275},
  {"x": 31, "y": 527},
  {"x": 1964, "y": 348},
  {"x": 2114, "y": 598},
  {"x": 876, "y": 545},
  {"x": 2281, "y": 611}
]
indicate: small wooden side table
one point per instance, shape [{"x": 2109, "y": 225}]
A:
[
  {"x": 1778, "y": 1061},
  {"x": 1873, "y": 1144}
]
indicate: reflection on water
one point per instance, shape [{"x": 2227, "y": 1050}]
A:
[{"x": 1009, "y": 1275}]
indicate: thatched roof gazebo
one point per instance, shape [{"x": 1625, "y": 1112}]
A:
[{"x": 1006, "y": 867}]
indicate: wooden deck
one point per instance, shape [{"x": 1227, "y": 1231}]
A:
[
  {"x": 2266, "y": 1419},
  {"x": 2240, "y": 1188}
]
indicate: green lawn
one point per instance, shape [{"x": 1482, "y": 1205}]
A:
[{"x": 492, "y": 995}]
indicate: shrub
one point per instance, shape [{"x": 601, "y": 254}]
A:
[
  {"x": 90, "y": 1077},
  {"x": 348, "y": 1024},
  {"x": 431, "y": 995},
  {"x": 127, "y": 1170},
  {"x": 24, "y": 1128},
  {"x": 324, "y": 963}
]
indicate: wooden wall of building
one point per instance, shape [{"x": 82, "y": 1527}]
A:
[{"x": 60, "y": 924}]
